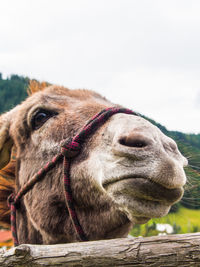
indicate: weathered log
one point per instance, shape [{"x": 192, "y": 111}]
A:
[{"x": 173, "y": 250}]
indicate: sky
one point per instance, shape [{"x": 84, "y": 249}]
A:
[{"x": 143, "y": 54}]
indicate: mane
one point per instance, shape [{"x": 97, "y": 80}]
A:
[
  {"x": 35, "y": 86},
  {"x": 7, "y": 185},
  {"x": 7, "y": 174}
]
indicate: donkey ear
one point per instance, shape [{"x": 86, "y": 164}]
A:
[{"x": 6, "y": 142}]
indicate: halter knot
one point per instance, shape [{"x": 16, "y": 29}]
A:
[{"x": 70, "y": 149}]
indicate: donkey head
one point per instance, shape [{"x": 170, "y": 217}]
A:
[{"x": 128, "y": 171}]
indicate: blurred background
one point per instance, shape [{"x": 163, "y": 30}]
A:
[{"x": 141, "y": 54}]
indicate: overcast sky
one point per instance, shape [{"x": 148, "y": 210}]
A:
[{"x": 143, "y": 54}]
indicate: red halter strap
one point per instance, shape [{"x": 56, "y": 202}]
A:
[{"x": 69, "y": 150}]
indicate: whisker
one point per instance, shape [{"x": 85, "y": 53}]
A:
[
  {"x": 193, "y": 198},
  {"x": 190, "y": 203},
  {"x": 196, "y": 167}
]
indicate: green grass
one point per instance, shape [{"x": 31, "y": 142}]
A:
[
  {"x": 184, "y": 221},
  {"x": 186, "y": 218}
]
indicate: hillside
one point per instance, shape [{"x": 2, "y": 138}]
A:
[{"x": 13, "y": 91}]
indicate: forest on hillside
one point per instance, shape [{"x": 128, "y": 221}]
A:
[{"x": 13, "y": 90}]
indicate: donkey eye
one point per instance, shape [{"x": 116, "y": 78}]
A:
[{"x": 40, "y": 118}]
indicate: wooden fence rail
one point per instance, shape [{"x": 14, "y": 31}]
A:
[{"x": 173, "y": 250}]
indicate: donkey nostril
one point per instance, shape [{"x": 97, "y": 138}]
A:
[{"x": 130, "y": 142}]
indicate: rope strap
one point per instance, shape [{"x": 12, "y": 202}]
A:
[{"x": 69, "y": 149}]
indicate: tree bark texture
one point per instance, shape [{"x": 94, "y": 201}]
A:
[{"x": 173, "y": 250}]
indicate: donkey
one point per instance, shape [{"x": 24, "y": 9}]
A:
[{"x": 127, "y": 172}]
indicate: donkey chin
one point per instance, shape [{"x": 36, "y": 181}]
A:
[{"x": 142, "y": 198}]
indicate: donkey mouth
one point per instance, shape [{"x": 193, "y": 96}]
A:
[{"x": 144, "y": 188}]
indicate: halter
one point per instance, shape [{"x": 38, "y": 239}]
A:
[{"x": 69, "y": 150}]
